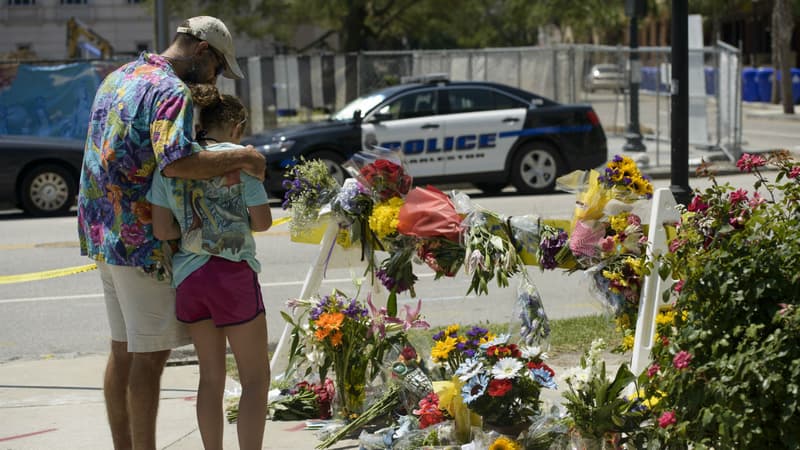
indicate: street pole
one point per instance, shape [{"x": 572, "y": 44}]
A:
[
  {"x": 161, "y": 21},
  {"x": 679, "y": 97},
  {"x": 633, "y": 134}
]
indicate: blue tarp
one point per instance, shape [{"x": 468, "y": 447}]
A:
[{"x": 49, "y": 101}]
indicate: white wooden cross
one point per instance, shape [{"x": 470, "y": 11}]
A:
[{"x": 662, "y": 212}]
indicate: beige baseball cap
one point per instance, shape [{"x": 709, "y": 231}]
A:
[{"x": 213, "y": 31}]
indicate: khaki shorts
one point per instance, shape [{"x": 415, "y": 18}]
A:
[{"x": 141, "y": 310}]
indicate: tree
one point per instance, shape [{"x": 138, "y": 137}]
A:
[{"x": 782, "y": 24}]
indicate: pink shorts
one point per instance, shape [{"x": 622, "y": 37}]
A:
[{"x": 224, "y": 291}]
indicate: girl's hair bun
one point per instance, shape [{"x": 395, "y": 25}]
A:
[{"x": 205, "y": 95}]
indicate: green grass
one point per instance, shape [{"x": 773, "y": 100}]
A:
[
  {"x": 575, "y": 334},
  {"x": 566, "y": 336}
]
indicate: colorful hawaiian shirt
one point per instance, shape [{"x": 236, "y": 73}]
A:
[{"x": 141, "y": 120}]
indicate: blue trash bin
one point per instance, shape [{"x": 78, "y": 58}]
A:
[
  {"x": 795, "y": 85},
  {"x": 764, "y": 81},
  {"x": 749, "y": 85},
  {"x": 711, "y": 81}
]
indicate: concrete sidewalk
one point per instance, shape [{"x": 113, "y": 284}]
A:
[{"x": 58, "y": 404}]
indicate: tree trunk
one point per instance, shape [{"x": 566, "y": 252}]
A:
[
  {"x": 782, "y": 23},
  {"x": 354, "y": 28}
]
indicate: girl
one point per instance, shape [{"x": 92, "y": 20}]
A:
[{"x": 215, "y": 271}]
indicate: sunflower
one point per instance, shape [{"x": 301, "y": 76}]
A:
[{"x": 504, "y": 443}]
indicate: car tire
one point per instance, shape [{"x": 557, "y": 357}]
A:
[
  {"x": 334, "y": 162},
  {"x": 491, "y": 188},
  {"x": 48, "y": 190},
  {"x": 535, "y": 168}
]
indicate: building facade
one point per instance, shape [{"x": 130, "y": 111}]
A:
[{"x": 38, "y": 28}]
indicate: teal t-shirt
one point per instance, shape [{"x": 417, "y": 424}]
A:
[{"x": 212, "y": 215}]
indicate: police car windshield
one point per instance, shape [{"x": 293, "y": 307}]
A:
[{"x": 363, "y": 103}]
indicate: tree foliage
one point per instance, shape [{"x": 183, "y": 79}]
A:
[{"x": 410, "y": 24}]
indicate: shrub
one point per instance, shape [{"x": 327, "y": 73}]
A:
[{"x": 727, "y": 368}]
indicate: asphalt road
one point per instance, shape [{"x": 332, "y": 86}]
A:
[{"x": 66, "y": 316}]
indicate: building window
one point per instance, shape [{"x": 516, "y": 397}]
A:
[
  {"x": 21, "y": 2},
  {"x": 74, "y": 2}
]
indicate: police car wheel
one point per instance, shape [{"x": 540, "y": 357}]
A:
[
  {"x": 334, "y": 163},
  {"x": 535, "y": 168}
]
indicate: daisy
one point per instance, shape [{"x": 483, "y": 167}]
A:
[
  {"x": 506, "y": 368},
  {"x": 475, "y": 388},
  {"x": 501, "y": 339},
  {"x": 468, "y": 369}
]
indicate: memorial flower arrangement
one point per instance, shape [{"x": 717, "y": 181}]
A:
[
  {"x": 606, "y": 239},
  {"x": 598, "y": 409},
  {"x": 309, "y": 186},
  {"x": 342, "y": 334},
  {"x": 503, "y": 382},
  {"x": 489, "y": 252}
]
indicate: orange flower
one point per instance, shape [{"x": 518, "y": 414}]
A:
[
  {"x": 328, "y": 322},
  {"x": 321, "y": 334},
  {"x": 336, "y": 338}
]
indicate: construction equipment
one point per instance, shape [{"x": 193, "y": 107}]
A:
[{"x": 80, "y": 36}]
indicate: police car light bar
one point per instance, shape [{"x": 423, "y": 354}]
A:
[{"x": 429, "y": 78}]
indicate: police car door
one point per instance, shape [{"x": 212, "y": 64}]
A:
[
  {"x": 409, "y": 123},
  {"x": 479, "y": 128}
]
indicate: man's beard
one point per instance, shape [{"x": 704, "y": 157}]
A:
[{"x": 193, "y": 74}]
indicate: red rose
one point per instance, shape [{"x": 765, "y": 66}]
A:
[{"x": 499, "y": 388}]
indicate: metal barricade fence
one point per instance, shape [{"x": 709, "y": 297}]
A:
[{"x": 291, "y": 87}]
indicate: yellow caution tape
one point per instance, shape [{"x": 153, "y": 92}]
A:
[
  {"x": 55, "y": 273},
  {"x": 36, "y": 276},
  {"x": 281, "y": 221}
]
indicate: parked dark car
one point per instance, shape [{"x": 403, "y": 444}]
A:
[
  {"x": 40, "y": 174},
  {"x": 487, "y": 134}
]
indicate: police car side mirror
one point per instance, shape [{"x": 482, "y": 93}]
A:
[
  {"x": 379, "y": 117},
  {"x": 357, "y": 117}
]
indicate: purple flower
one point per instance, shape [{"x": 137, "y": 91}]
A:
[
  {"x": 477, "y": 332},
  {"x": 354, "y": 310},
  {"x": 549, "y": 248}
]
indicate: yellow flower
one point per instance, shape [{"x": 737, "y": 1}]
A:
[
  {"x": 441, "y": 349},
  {"x": 504, "y": 443},
  {"x": 635, "y": 264},
  {"x": 652, "y": 401},
  {"x": 623, "y": 322},
  {"x": 619, "y": 222},
  {"x": 452, "y": 329},
  {"x": 384, "y": 218},
  {"x": 627, "y": 342},
  {"x": 665, "y": 318},
  {"x": 489, "y": 337}
]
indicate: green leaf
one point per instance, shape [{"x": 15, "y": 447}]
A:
[{"x": 391, "y": 304}]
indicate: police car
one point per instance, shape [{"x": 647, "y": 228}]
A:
[{"x": 487, "y": 134}]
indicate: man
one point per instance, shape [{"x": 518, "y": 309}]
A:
[{"x": 141, "y": 121}]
